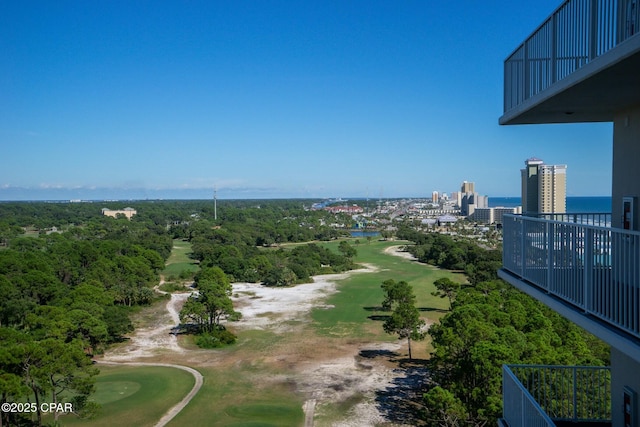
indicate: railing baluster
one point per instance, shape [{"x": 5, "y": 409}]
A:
[
  {"x": 550, "y": 252},
  {"x": 562, "y": 393},
  {"x": 588, "y": 269},
  {"x": 574, "y": 35},
  {"x": 575, "y": 394},
  {"x": 584, "y": 262}
]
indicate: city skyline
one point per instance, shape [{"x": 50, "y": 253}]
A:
[{"x": 142, "y": 101}]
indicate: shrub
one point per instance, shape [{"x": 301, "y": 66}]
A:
[
  {"x": 215, "y": 339},
  {"x": 172, "y": 287}
]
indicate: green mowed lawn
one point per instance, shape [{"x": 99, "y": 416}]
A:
[
  {"x": 135, "y": 395},
  {"x": 357, "y": 304},
  {"x": 179, "y": 259},
  {"x": 231, "y": 398}
]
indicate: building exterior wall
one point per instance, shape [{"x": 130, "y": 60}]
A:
[
  {"x": 468, "y": 204},
  {"x": 457, "y": 196},
  {"x": 127, "y": 212},
  {"x": 484, "y": 215},
  {"x": 626, "y": 163},
  {"x": 467, "y": 187},
  {"x": 552, "y": 188},
  {"x": 624, "y": 372},
  {"x": 530, "y": 188},
  {"x": 499, "y": 212},
  {"x": 493, "y": 215},
  {"x": 544, "y": 187}
]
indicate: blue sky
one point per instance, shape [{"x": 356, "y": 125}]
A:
[{"x": 263, "y": 99}]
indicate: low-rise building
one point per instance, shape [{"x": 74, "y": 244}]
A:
[
  {"x": 493, "y": 215},
  {"x": 127, "y": 212},
  {"x": 345, "y": 209}
]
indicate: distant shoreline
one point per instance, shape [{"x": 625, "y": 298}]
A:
[{"x": 494, "y": 201}]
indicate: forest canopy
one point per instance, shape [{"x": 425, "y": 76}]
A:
[{"x": 70, "y": 277}]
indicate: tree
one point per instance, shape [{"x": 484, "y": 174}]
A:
[
  {"x": 347, "y": 250},
  {"x": 405, "y": 318},
  {"x": 12, "y": 386},
  {"x": 446, "y": 288},
  {"x": 444, "y": 409},
  {"x": 57, "y": 369},
  {"x": 64, "y": 370},
  {"x": 117, "y": 321},
  {"x": 213, "y": 302},
  {"x": 395, "y": 293},
  {"x": 280, "y": 276}
]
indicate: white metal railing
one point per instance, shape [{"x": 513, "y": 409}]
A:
[
  {"x": 591, "y": 218},
  {"x": 519, "y": 408},
  {"x": 568, "y": 393},
  {"x": 594, "y": 268},
  {"x": 574, "y": 35}
]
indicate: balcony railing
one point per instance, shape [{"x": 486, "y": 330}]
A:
[
  {"x": 594, "y": 268},
  {"x": 574, "y": 35},
  {"x": 542, "y": 395},
  {"x": 591, "y": 218}
]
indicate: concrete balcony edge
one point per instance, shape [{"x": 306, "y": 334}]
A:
[{"x": 523, "y": 113}]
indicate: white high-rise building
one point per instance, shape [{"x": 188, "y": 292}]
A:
[{"x": 544, "y": 187}]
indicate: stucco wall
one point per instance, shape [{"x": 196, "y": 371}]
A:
[
  {"x": 626, "y": 163},
  {"x": 624, "y": 372}
]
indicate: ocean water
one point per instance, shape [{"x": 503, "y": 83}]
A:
[{"x": 582, "y": 204}]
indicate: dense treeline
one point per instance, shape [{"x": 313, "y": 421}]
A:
[
  {"x": 490, "y": 324},
  {"x": 244, "y": 243},
  {"x": 260, "y": 223},
  {"x": 280, "y": 220},
  {"x": 234, "y": 250},
  {"x": 479, "y": 264},
  {"x": 65, "y": 296}
]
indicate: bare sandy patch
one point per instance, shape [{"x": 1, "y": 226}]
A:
[
  {"x": 151, "y": 341},
  {"x": 271, "y": 308},
  {"x": 348, "y": 379},
  {"x": 156, "y": 339},
  {"x": 399, "y": 250}
]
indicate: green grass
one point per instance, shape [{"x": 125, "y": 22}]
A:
[
  {"x": 173, "y": 287},
  {"x": 358, "y": 302},
  {"x": 135, "y": 395},
  {"x": 229, "y": 397},
  {"x": 255, "y": 392},
  {"x": 179, "y": 259}
]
